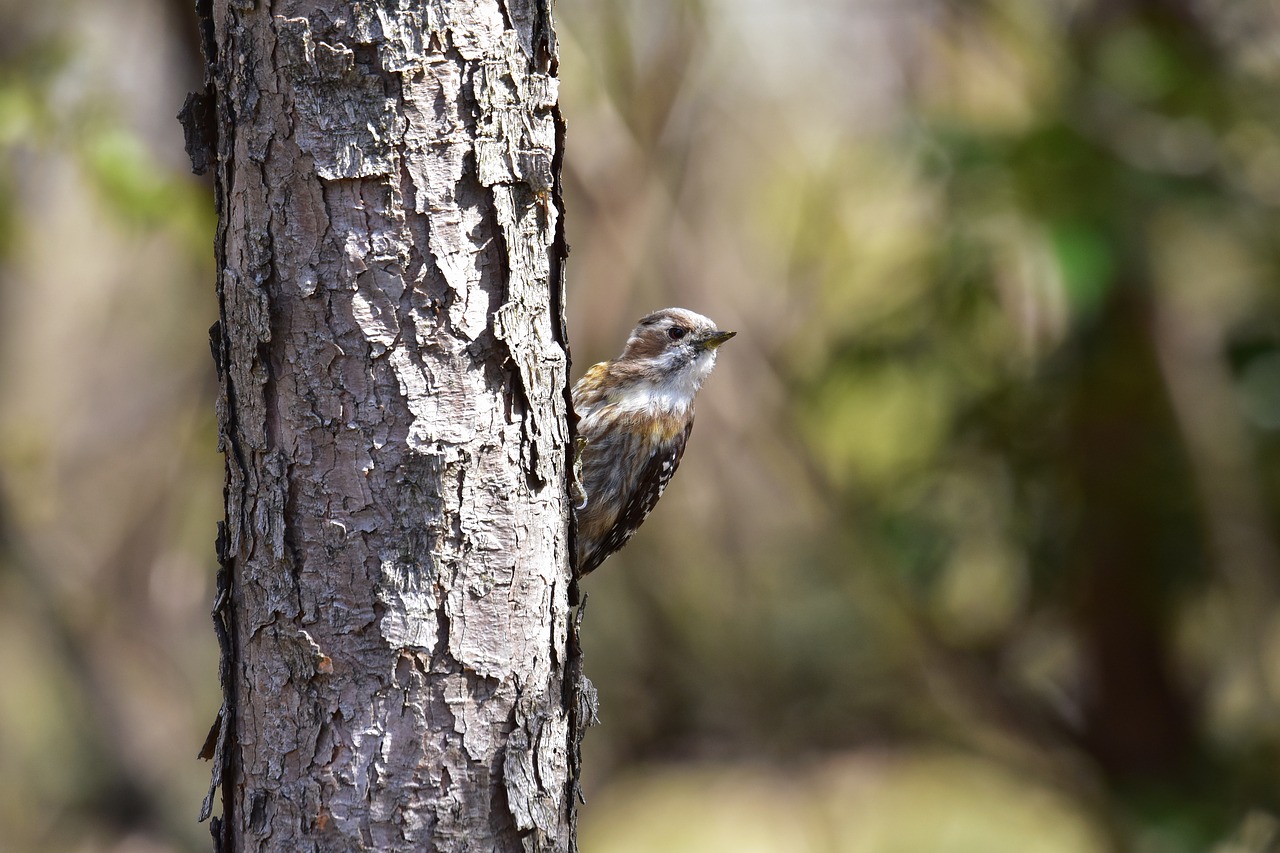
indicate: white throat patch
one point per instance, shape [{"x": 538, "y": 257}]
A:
[{"x": 673, "y": 393}]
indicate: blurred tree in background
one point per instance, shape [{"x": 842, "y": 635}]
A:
[
  {"x": 975, "y": 545},
  {"x": 108, "y": 478}
]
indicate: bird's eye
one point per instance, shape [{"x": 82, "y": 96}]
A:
[{"x": 677, "y": 332}]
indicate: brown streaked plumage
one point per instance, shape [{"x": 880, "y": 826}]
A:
[{"x": 636, "y": 413}]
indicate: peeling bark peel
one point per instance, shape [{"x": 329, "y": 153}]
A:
[{"x": 394, "y": 415}]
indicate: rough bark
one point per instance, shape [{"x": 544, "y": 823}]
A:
[{"x": 394, "y": 598}]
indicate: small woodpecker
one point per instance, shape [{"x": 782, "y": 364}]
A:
[{"x": 635, "y": 414}]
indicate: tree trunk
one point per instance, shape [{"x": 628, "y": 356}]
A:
[{"x": 394, "y": 596}]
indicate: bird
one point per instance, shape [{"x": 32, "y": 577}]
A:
[{"x": 635, "y": 414}]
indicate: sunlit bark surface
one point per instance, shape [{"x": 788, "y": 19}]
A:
[{"x": 394, "y": 421}]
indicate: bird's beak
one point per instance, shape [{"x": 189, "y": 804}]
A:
[{"x": 715, "y": 339}]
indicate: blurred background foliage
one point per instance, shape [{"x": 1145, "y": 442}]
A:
[{"x": 976, "y": 544}]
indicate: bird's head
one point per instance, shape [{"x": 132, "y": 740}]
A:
[{"x": 674, "y": 347}]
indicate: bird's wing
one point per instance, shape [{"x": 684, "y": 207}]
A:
[
  {"x": 649, "y": 487},
  {"x": 589, "y": 390}
]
